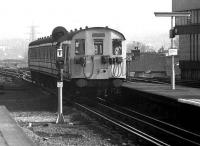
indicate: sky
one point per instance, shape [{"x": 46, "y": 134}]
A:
[{"x": 133, "y": 18}]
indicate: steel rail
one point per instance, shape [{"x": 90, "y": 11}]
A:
[
  {"x": 161, "y": 129},
  {"x": 170, "y": 125},
  {"x": 128, "y": 128}
]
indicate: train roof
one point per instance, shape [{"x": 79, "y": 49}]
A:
[{"x": 70, "y": 35}]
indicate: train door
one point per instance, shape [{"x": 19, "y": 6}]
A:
[{"x": 66, "y": 60}]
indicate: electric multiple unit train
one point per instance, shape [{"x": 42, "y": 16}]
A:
[{"x": 94, "y": 59}]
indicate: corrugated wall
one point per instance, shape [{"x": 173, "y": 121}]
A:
[
  {"x": 184, "y": 46},
  {"x": 189, "y": 44},
  {"x": 182, "y": 5}
]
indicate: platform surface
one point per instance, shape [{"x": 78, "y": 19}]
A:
[
  {"x": 181, "y": 94},
  {"x": 10, "y": 133}
]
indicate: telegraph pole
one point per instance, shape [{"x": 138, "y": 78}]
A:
[{"x": 32, "y": 33}]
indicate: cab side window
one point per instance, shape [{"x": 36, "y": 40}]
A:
[
  {"x": 98, "y": 46},
  {"x": 117, "y": 47},
  {"x": 79, "y": 46}
]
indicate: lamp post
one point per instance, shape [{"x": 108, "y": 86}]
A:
[{"x": 172, "y": 15}]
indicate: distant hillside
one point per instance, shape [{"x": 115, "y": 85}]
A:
[
  {"x": 13, "y": 49},
  {"x": 156, "y": 41}
]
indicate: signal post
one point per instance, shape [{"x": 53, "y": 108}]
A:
[{"x": 58, "y": 34}]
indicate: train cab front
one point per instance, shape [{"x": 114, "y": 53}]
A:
[{"x": 99, "y": 58}]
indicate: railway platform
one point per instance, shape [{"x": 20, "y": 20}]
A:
[
  {"x": 10, "y": 133},
  {"x": 179, "y": 107},
  {"x": 181, "y": 94}
]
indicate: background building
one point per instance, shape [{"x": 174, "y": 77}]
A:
[
  {"x": 152, "y": 65},
  {"x": 188, "y": 29}
]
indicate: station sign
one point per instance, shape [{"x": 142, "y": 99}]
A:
[{"x": 172, "y": 52}]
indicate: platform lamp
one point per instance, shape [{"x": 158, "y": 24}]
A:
[{"x": 172, "y": 15}]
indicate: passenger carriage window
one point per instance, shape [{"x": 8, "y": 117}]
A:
[
  {"x": 41, "y": 53},
  {"x": 98, "y": 46},
  {"x": 47, "y": 53},
  {"x": 52, "y": 54},
  {"x": 38, "y": 53},
  {"x": 117, "y": 47},
  {"x": 80, "y": 47},
  {"x": 32, "y": 53}
]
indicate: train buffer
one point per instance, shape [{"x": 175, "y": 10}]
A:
[{"x": 10, "y": 133}]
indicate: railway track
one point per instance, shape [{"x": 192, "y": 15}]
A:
[
  {"x": 150, "y": 130},
  {"x": 16, "y": 73},
  {"x": 147, "y": 139}
]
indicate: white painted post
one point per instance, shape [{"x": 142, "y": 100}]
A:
[
  {"x": 60, "y": 118},
  {"x": 172, "y": 15},
  {"x": 173, "y": 70}
]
